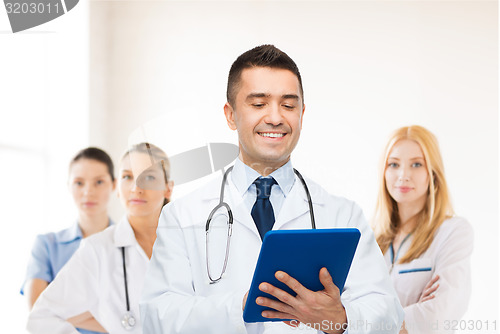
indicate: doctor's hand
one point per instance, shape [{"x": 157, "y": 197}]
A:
[
  {"x": 244, "y": 301},
  {"x": 322, "y": 308},
  {"x": 429, "y": 289},
  {"x": 86, "y": 321}
]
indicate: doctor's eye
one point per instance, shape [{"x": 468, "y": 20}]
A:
[
  {"x": 392, "y": 165},
  {"x": 417, "y": 164}
]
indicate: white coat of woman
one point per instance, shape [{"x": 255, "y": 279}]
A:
[
  {"x": 104, "y": 278},
  {"x": 427, "y": 249}
]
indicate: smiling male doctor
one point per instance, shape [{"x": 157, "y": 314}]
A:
[{"x": 265, "y": 105}]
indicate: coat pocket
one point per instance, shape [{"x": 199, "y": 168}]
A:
[
  {"x": 411, "y": 278},
  {"x": 414, "y": 270}
]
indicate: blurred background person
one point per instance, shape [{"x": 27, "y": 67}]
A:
[
  {"x": 91, "y": 183},
  {"x": 427, "y": 249},
  {"x": 104, "y": 279}
]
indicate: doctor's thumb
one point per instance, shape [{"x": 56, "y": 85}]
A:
[{"x": 327, "y": 281}]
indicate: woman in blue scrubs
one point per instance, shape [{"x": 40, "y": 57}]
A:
[{"x": 91, "y": 183}]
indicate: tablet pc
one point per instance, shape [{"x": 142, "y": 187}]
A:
[{"x": 301, "y": 254}]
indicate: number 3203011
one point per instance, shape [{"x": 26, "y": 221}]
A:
[
  {"x": 32, "y": 8},
  {"x": 472, "y": 325}
]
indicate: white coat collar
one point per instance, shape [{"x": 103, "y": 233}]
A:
[
  {"x": 243, "y": 177},
  {"x": 212, "y": 189},
  {"x": 124, "y": 234},
  {"x": 290, "y": 210}
]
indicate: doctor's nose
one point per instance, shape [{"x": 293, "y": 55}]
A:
[
  {"x": 274, "y": 115},
  {"x": 88, "y": 188},
  {"x": 404, "y": 175},
  {"x": 136, "y": 188}
]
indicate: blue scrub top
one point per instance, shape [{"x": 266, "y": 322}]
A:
[{"x": 50, "y": 253}]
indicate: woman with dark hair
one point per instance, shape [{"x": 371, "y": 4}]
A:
[
  {"x": 104, "y": 279},
  {"x": 91, "y": 183}
]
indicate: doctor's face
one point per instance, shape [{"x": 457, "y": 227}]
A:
[
  {"x": 91, "y": 186},
  {"x": 142, "y": 187},
  {"x": 267, "y": 113},
  {"x": 406, "y": 176}
]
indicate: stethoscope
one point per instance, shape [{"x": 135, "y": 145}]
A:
[
  {"x": 128, "y": 320},
  {"x": 394, "y": 257},
  {"x": 223, "y": 204}
]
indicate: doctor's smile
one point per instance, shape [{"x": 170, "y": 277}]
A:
[{"x": 272, "y": 134}]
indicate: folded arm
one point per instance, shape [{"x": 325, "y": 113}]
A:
[
  {"x": 451, "y": 299},
  {"x": 69, "y": 295}
]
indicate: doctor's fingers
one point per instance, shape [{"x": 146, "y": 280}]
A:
[
  {"x": 244, "y": 302},
  {"x": 429, "y": 289},
  {"x": 292, "y": 283},
  {"x": 327, "y": 281},
  {"x": 432, "y": 281},
  {"x": 428, "y": 293},
  {"x": 283, "y": 296},
  {"x": 424, "y": 299},
  {"x": 271, "y": 314},
  {"x": 305, "y": 306},
  {"x": 279, "y": 309}
]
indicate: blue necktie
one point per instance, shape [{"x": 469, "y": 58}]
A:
[{"x": 262, "y": 211}]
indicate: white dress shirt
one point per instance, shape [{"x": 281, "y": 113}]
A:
[
  {"x": 244, "y": 176},
  {"x": 449, "y": 257},
  {"x": 178, "y": 296},
  {"x": 93, "y": 281}
]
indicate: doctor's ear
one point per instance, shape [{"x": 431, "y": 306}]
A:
[
  {"x": 168, "y": 190},
  {"x": 302, "y": 115},
  {"x": 229, "y": 113}
]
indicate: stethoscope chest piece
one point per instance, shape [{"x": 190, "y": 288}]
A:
[{"x": 128, "y": 321}]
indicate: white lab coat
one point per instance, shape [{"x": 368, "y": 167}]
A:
[
  {"x": 178, "y": 297},
  {"x": 449, "y": 257},
  {"x": 93, "y": 281}
]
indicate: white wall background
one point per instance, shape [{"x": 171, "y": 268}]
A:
[
  {"x": 44, "y": 82},
  {"x": 368, "y": 67}
]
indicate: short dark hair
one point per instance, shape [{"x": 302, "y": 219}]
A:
[
  {"x": 261, "y": 56},
  {"x": 94, "y": 153}
]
